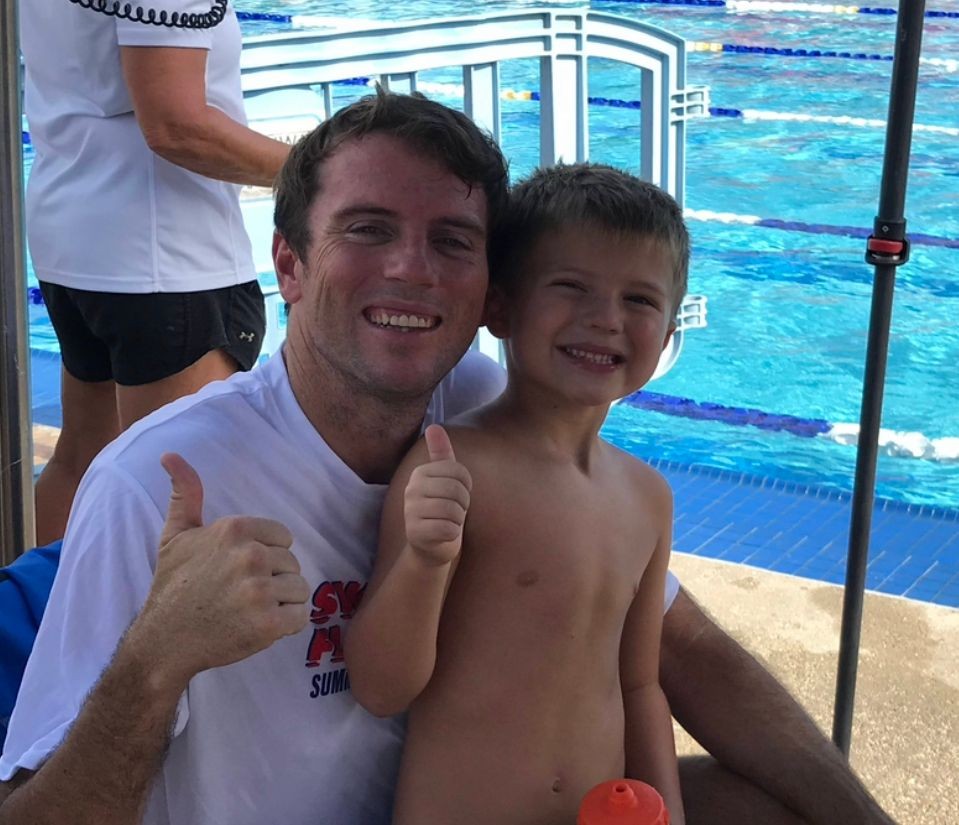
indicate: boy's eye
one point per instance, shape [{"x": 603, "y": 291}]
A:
[
  {"x": 638, "y": 299},
  {"x": 572, "y": 285}
]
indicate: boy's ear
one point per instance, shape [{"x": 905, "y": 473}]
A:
[
  {"x": 669, "y": 334},
  {"x": 495, "y": 313}
]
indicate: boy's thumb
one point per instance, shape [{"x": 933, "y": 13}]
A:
[
  {"x": 438, "y": 444},
  {"x": 186, "y": 497}
]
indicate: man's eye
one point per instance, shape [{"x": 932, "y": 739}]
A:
[
  {"x": 454, "y": 242},
  {"x": 368, "y": 229}
]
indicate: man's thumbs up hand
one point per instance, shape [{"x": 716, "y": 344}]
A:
[
  {"x": 220, "y": 592},
  {"x": 186, "y": 498}
]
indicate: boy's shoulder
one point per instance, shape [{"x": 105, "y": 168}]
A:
[
  {"x": 483, "y": 440},
  {"x": 638, "y": 474},
  {"x": 472, "y": 433}
]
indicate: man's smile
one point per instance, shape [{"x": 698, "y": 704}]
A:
[{"x": 400, "y": 320}]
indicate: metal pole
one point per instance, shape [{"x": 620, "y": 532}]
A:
[
  {"x": 887, "y": 250},
  {"x": 16, "y": 439}
]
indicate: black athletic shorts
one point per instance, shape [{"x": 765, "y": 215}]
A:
[{"x": 140, "y": 338}]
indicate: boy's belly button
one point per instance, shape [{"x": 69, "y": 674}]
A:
[
  {"x": 527, "y": 578},
  {"x": 558, "y": 785}
]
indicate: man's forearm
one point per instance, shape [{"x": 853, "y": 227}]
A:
[
  {"x": 102, "y": 772},
  {"x": 747, "y": 721}
]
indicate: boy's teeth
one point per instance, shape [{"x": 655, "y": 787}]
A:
[
  {"x": 592, "y": 357},
  {"x": 386, "y": 319}
]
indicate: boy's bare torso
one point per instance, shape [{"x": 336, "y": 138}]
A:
[{"x": 526, "y": 697}]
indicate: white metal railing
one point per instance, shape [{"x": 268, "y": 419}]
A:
[{"x": 289, "y": 80}]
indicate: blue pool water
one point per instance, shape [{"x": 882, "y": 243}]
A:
[{"x": 788, "y": 311}]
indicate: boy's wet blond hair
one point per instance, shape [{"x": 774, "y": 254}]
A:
[{"x": 587, "y": 195}]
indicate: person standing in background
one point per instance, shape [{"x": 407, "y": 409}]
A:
[{"x": 133, "y": 218}]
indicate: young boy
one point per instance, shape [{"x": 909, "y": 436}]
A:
[{"x": 524, "y": 639}]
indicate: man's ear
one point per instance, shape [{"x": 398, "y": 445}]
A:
[
  {"x": 289, "y": 274},
  {"x": 496, "y": 312}
]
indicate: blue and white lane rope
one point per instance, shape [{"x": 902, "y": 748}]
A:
[
  {"x": 947, "y": 64},
  {"x": 777, "y": 6},
  {"x": 748, "y": 115},
  {"x": 457, "y": 90},
  {"x": 310, "y": 20},
  {"x": 835, "y": 120},
  {"x": 891, "y": 442},
  {"x": 708, "y": 216}
]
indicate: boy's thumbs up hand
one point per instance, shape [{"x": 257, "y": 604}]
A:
[
  {"x": 438, "y": 444},
  {"x": 437, "y": 498},
  {"x": 220, "y": 592}
]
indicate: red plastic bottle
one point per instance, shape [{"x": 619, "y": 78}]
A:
[{"x": 623, "y": 802}]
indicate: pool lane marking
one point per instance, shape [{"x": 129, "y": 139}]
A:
[
  {"x": 457, "y": 90},
  {"x": 903, "y": 444},
  {"x": 316, "y": 21},
  {"x": 778, "y": 6},
  {"x": 710, "y": 216},
  {"x": 699, "y": 46}
]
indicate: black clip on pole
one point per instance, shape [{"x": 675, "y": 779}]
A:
[{"x": 887, "y": 246}]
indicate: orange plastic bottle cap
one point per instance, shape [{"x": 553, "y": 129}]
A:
[{"x": 623, "y": 802}]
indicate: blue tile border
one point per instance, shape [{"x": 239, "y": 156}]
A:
[
  {"x": 742, "y": 478},
  {"x": 803, "y": 529}
]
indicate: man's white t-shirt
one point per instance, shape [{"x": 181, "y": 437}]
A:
[
  {"x": 103, "y": 212},
  {"x": 276, "y": 737}
]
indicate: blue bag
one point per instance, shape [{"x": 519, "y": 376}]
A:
[{"x": 24, "y": 589}]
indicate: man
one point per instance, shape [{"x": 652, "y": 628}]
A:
[{"x": 216, "y": 705}]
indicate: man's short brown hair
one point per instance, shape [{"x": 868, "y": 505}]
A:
[{"x": 435, "y": 130}]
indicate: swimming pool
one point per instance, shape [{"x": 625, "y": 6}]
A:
[{"x": 788, "y": 309}]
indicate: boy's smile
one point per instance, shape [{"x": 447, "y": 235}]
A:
[
  {"x": 598, "y": 358},
  {"x": 589, "y": 315}
]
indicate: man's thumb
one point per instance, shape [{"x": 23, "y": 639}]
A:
[
  {"x": 438, "y": 444},
  {"x": 186, "y": 496}
]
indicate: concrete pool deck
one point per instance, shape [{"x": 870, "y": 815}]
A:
[{"x": 905, "y": 742}]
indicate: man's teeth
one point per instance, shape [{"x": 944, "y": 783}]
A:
[
  {"x": 593, "y": 357},
  {"x": 386, "y": 319}
]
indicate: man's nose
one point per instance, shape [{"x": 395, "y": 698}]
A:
[{"x": 410, "y": 260}]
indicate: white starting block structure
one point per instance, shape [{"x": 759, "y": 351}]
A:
[{"x": 289, "y": 81}]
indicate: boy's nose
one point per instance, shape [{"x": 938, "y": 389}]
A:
[
  {"x": 605, "y": 315},
  {"x": 411, "y": 262}
]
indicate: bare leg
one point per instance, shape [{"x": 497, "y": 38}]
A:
[
  {"x": 134, "y": 402},
  {"x": 93, "y": 415},
  {"x": 89, "y": 423},
  {"x": 714, "y": 796},
  {"x": 737, "y": 711}
]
